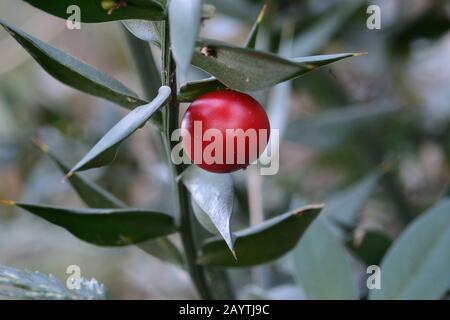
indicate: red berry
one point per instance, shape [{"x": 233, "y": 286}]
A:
[{"x": 241, "y": 132}]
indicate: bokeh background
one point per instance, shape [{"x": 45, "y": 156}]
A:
[{"x": 388, "y": 111}]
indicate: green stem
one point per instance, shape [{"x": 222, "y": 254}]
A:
[
  {"x": 151, "y": 80},
  {"x": 170, "y": 123}
]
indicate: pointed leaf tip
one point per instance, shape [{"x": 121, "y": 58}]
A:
[
  {"x": 214, "y": 194},
  {"x": 261, "y": 243},
  {"x": 105, "y": 150},
  {"x": 74, "y": 72},
  {"x": 312, "y": 207},
  {"x": 119, "y": 227},
  {"x": 40, "y": 145},
  {"x": 251, "y": 39},
  {"x": 68, "y": 175},
  {"x": 262, "y": 13},
  {"x": 7, "y": 202},
  {"x": 246, "y": 70}
]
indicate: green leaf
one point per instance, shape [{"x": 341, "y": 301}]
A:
[
  {"x": 313, "y": 39},
  {"x": 321, "y": 267},
  {"x": 145, "y": 30},
  {"x": 369, "y": 246},
  {"x": 251, "y": 70},
  {"x": 417, "y": 265},
  {"x": 192, "y": 90},
  {"x": 344, "y": 206},
  {"x": 23, "y": 284},
  {"x": 106, "y": 149},
  {"x": 331, "y": 129},
  {"x": 251, "y": 39},
  {"x": 214, "y": 194},
  {"x": 203, "y": 218},
  {"x": 74, "y": 72},
  {"x": 92, "y": 10},
  {"x": 184, "y": 21},
  {"x": 262, "y": 243},
  {"x": 97, "y": 197},
  {"x": 105, "y": 227}
]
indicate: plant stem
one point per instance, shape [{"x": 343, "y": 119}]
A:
[
  {"x": 151, "y": 80},
  {"x": 170, "y": 123}
]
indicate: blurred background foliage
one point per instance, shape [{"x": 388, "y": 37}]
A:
[{"x": 370, "y": 137}]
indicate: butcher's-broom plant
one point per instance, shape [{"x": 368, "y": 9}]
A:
[{"x": 203, "y": 199}]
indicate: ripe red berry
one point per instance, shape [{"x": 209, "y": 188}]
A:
[{"x": 224, "y": 131}]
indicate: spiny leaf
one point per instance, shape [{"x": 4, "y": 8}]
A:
[
  {"x": 105, "y": 227},
  {"x": 251, "y": 39},
  {"x": 251, "y": 70},
  {"x": 105, "y": 150},
  {"x": 97, "y": 197},
  {"x": 262, "y": 243},
  {"x": 23, "y": 284},
  {"x": 214, "y": 194},
  {"x": 92, "y": 10},
  {"x": 184, "y": 20},
  {"x": 74, "y": 72},
  {"x": 417, "y": 265},
  {"x": 321, "y": 266},
  {"x": 194, "y": 89}
]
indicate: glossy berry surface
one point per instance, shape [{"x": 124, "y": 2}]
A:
[{"x": 225, "y": 112}]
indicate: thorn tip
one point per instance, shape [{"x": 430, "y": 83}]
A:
[
  {"x": 7, "y": 202},
  {"x": 68, "y": 176},
  {"x": 42, "y": 146},
  {"x": 262, "y": 13}
]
